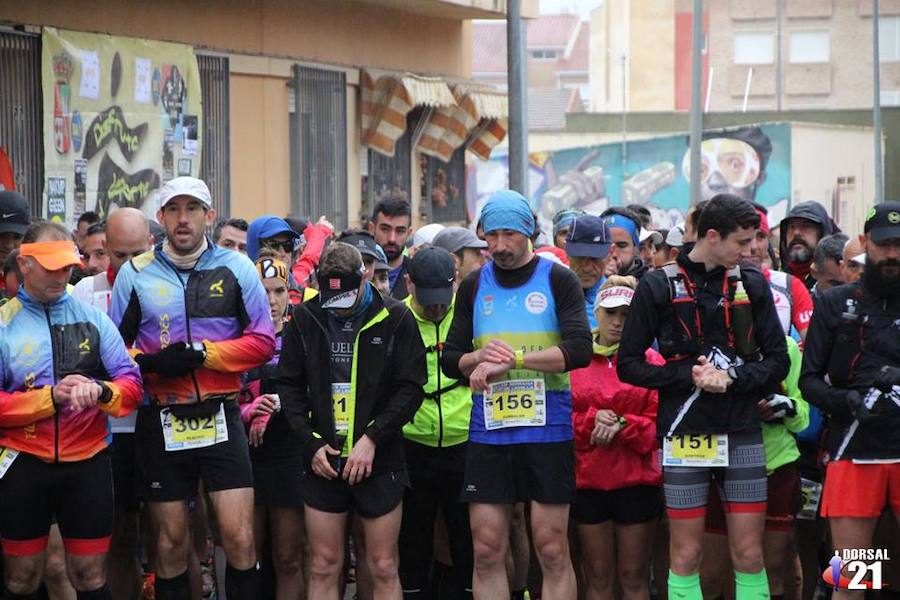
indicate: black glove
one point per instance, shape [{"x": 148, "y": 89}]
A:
[
  {"x": 887, "y": 378},
  {"x": 782, "y": 407},
  {"x": 855, "y": 406},
  {"x": 175, "y": 360}
]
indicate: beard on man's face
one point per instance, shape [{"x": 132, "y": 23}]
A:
[
  {"x": 799, "y": 251},
  {"x": 392, "y": 251},
  {"x": 883, "y": 277}
]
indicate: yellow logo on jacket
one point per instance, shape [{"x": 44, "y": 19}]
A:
[{"x": 217, "y": 290}]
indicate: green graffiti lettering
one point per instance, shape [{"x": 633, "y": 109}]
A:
[{"x": 123, "y": 194}]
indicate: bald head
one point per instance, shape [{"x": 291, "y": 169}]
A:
[
  {"x": 127, "y": 235},
  {"x": 850, "y": 269}
]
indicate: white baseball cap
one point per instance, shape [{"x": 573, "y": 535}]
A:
[
  {"x": 185, "y": 186},
  {"x": 425, "y": 234},
  {"x": 614, "y": 297}
]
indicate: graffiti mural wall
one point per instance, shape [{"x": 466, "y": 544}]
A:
[
  {"x": 119, "y": 115},
  {"x": 753, "y": 162}
]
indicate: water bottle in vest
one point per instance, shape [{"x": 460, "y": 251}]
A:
[{"x": 742, "y": 317}]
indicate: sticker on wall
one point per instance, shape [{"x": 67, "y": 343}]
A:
[
  {"x": 62, "y": 72},
  {"x": 143, "y": 77},
  {"x": 56, "y": 199},
  {"x": 90, "y": 74},
  {"x": 168, "y": 154},
  {"x": 115, "y": 75},
  {"x": 80, "y": 187},
  {"x": 191, "y": 128},
  {"x": 156, "y": 85},
  {"x": 77, "y": 131},
  {"x": 184, "y": 166},
  {"x": 172, "y": 93}
]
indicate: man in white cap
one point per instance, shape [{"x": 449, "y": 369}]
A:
[{"x": 198, "y": 316}]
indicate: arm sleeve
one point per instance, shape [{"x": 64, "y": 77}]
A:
[
  {"x": 124, "y": 306},
  {"x": 640, "y": 331},
  {"x": 459, "y": 336},
  {"x": 763, "y": 376},
  {"x": 257, "y": 344},
  {"x": 799, "y": 421},
  {"x": 819, "y": 345},
  {"x": 316, "y": 235},
  {"x": 639, "y": 433},
  {"x": 292, "y": 388},
  {"x": 409, "y": 377},
  {"x": 19, "y": 409},
  {"x": 126, "y": 384},
  {"x": 801, "y": 305},
  {"x": 575, "y": 334}
]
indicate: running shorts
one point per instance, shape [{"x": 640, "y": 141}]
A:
[
  {"x": 860, "y": 490},
  {"x": 78, "y": 495},
  {"x": 783, "y": 502},
  {"x": 506, "y": 474},
  {"x": 373, "y": 497},
  {"x": 624, "y": 506},
  {"x": 742, "y": 484}
]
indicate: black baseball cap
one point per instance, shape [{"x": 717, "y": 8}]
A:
[
  {"x": 433, "y": 272},
  {"x": 883, "y": 222},
  {"x": 15, "y": 214},
  {"x": 367, "y": 246},
  {"x": 588, "y": 237}
]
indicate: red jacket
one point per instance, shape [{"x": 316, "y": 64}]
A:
[{"x": 631, "y": 458}]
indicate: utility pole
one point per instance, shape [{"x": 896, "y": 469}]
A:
[
  {"x": 876, "y": 105},
  {"x": 696, "y": 104},
  {"x": 518, "y": 100},
  {"x": 778, "y": 72}
]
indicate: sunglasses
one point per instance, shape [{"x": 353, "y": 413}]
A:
[{"x": 286, "y": 245}]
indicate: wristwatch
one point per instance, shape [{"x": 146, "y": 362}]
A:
[
  {"x": 199, "y": 347},
  {"x": 106, "y": 392}
]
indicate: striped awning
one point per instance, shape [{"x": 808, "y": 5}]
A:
[
  {"x": 387, "y": 97},
  {"x": 475, "y": 109},
  {"x": 462, "y": 112}
]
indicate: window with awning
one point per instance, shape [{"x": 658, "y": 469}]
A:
[{"x": 457, "y": 114}]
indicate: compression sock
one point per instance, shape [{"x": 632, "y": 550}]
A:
[
  {"x": 751, "y": 586},
  {"x": 684, "y": 587},
  {"x": 101, "y": 593},
  {"x": 173, "y": 588},
  {"x": 241, "y": 583}
]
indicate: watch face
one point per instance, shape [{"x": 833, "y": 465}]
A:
[{"x": 198, "y": 346}]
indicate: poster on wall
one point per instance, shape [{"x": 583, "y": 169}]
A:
[
  {"x": 119, "y": 113},
  {"x": 750, "y": 161}
]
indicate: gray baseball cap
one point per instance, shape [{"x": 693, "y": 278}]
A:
[{"x": 454, "y": 239}]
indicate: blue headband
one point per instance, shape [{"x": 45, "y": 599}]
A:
[
  {"x": 507, "y": 209},
  {"x": 623, "y": 222}
]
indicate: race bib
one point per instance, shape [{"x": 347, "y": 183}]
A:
[
  {"x": 193, "y": 432},
  {"x": 705, "y": 450},
  {"x": 340, "y": 400},
  {"x": 7, "y": 456},
  {"x": 515, "y": 403},
  {"x": 811, "y": 494}
]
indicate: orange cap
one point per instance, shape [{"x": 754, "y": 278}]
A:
[{"x": 53, "y": 256}]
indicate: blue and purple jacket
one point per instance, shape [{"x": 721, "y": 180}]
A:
[{"x": 220, "y": 302}]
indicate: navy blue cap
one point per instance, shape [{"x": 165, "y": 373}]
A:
[
  {"x": 589, "y": 237},
  {"x": 433, "y": 272}
]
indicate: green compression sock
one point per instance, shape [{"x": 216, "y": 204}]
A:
[
  {"x": 751, "y": 586},
  {"x": 684, "y": 587}
]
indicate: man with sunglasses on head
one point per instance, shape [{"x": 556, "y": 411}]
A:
[{"x": 198, "y": 318}]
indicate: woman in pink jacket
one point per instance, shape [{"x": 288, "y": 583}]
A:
[{"x": 616, "y": 466}]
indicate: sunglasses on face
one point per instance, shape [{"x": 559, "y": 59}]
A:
[{"x": 286, "y": 245}]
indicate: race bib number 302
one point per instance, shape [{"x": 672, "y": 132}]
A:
[
  {"x": 705, "y": 450},
  {"x": 193, "y": 432},
  {"x": 515, "y": 403}
]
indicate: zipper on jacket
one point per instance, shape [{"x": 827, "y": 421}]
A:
[
  {"x": 437, "y": 333},
  {"x": 54, "y": 347},
  {"x": 187, "y": 317}
]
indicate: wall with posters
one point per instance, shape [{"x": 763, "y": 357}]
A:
[
  {"x": 751, "y": 161},
  {"x": 121, "y": 117}
]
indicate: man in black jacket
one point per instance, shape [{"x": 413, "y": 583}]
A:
[
  {"x": 351, "y": 374},
  {"x": 725, "y": 351},
  {"x": 800, "y": 232},
  {"x": 854, "y": 340}
]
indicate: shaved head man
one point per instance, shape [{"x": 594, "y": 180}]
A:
[
  {"x": 127, "y": 236},
  {"x": 851, "y": 269}
]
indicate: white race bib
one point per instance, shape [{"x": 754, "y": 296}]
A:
[
  {"x": 703, "y": 450},
  {"x": 515, "y": 403},
  {"x": 7, "y": 456},
  {"x": 193, "y": 432}
]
